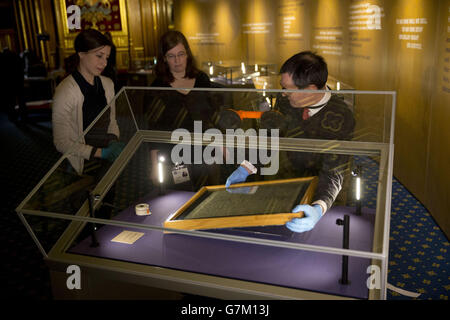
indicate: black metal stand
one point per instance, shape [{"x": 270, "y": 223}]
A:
[
  {"x": 162, "y": 189},
  {"x": 91, "y": 199},
  {"x": 345, "y": 244},
  {"x": 358, "y": 211}
]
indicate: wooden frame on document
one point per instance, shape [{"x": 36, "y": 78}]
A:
[{"x": 240, "y": 221}]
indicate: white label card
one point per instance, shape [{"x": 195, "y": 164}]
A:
[{"x": 128, "y": 237}]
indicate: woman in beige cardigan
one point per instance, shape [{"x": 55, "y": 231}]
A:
[{"x": 79, "y": 99}]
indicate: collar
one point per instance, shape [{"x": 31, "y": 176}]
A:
[{"x": 319, "y": 105}]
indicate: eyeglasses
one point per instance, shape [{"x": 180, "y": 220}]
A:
[{"x": 180, "y": 55}]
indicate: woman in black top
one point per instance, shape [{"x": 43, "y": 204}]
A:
[
  {"x": 173, "y": 109},
  {"x": 176, "y": 69}
]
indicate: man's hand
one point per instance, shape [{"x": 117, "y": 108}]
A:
[
  {"x": 312, "y": 216},
  {"x": 238, "y": 175}
]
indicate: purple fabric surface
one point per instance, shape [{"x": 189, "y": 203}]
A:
[{"x": 278, "y": 266}]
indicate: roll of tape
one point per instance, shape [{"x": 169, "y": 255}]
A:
[{"x": 142, "y": 209}]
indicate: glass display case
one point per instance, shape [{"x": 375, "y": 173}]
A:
[{"x": 117, "y": 222}]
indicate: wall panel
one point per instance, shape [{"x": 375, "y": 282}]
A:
[
  {"x": 34, "y": 18},
  {"x": 329, "y": 36},
  {"x": 437, "y": 197},
  {"x": 258, "y": 28},
  {"x": 412, "y": 56},
  {"x": 213, "y": 28},
  {"x": 256, "y": 31},
  {"x": 135, "y": 40},
  {"x": 369, "y": 32},
  {"x": 292, "y": 27}
]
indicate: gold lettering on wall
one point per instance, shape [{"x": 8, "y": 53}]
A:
[
  {"x": 366, "y": 22},
  {"x": 292, "y": 28}
]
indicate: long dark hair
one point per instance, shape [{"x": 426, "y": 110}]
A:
[
  {"x": 169, "y": 40},
  {"x": 85, "y": 41}
]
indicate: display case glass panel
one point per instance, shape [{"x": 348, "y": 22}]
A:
[{"x": 97, "y": 207}]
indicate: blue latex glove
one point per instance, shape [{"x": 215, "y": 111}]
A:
[
  {"x": 238, "y": 175},
  {"x": 312, "y": 216},
  {"x": 113, "y": 150},
  {"x": 243, "y": 190}
]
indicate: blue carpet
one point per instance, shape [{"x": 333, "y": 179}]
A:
[{"x": 419, "y": 260}]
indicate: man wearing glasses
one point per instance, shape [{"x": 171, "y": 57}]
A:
[{"x": 310, "y": 115}]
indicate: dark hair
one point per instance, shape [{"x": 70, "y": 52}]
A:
[
  {"x": 169, "y": 40},
  {"x": 85, "y": 41},
  {"x": 306, "y": 68},
  {"x": 90, "y": 39}
]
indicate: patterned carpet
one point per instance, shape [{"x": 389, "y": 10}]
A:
[
  {"x": 29, "y": 153},
  {"x": 419, "y": 260}
]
